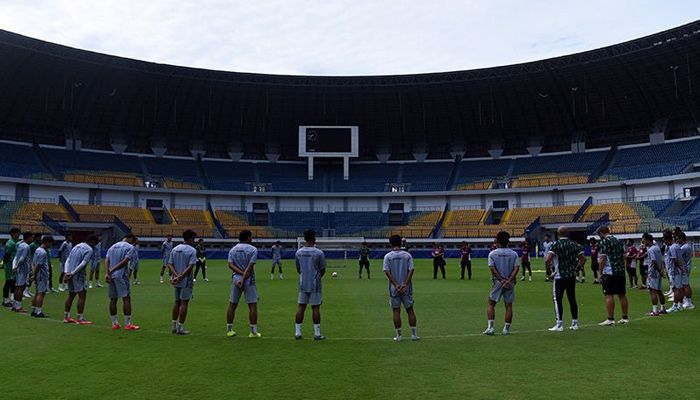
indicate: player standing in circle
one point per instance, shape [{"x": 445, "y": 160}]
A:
[
  {"x": 364, "y": 259},
  {"x": 594, "y": 260},
  {"x": 687, "y": 254},
  {"x": 276, "y": 260},
  {"x": 165, "y": 248},
  {"x": 503, "y": 263},
  {"x": 631, "y": 263},
  {"x": 63, "y": 252},
  {"x": 201, "y": 260},
  {"x": 21, "y": 268},
  {"x": 612, "y": 274},
  {"x": 654, "y": 263},
  {"x": 525, "y": 259},
  {"x": 95, "y": 266},
  {"x": 566, "y": 256},
  {"x": 40, "y": 261},
  {"x": 183, "y": 258},
  {"x": 241, "y": 261},
  {"x": 8, "y": 290},
  {"x": 74, "y": 275},
  {"x": 466, "y": 260},
  {"x": 438, "y": 260},
  {"x": 398, "y": 267},
  {"x": 642, "y": 265},
  {"x": 546, "y": 246},
  {"x": 311, "y": 266},
  {"x": 117, "y": 261},
  {"x": 675, "y": 267}
]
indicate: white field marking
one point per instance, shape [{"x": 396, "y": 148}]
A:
[{"x": 366, "y": 339}]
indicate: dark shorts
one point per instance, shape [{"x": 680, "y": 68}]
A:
[
  {"x": 465, "y": 263},
  {"x": 613, "y": 284},
  {"x": 364, "y": 264},
  {"x": 595, "y": 266}
]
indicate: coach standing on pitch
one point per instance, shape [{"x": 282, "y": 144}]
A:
[{"x": 567, "y": 258}]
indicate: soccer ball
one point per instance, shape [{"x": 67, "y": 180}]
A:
[{"x": 334, "y": 274}]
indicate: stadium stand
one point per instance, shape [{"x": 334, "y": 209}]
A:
[
  {"x": 288, "y": 177},
  {"x": 96, "y": 168},
  {"x": 174, "y": 173},
  {"x": 21, "y": 161},
  {"x": 363, "y": 177},
  {"x": 651, "y": 161},
  {"x": 479, "y": 175},
  {"x": 298, "y": 221},
  {"x": 28, "y": 216},
  {"x": 229, "y": 175},
  {"x": 555, "y": 170},
  {"x": 553, "y": 214},
  {"x": 426, "y": 176}
]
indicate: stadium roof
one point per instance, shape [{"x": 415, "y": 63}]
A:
[{"x": 613, "y": 95}]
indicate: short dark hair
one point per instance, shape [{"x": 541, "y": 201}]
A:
[
  {"x": 47, "y": 239},
  {"x": 668, "y": 235},
  {"x": 14, "y": 230},
  {"x": 603, "y": 229},
  {"x": 244, "y": 235},
  {"x": 310, "y": 235},
  {"x": 278, "y": 242},
  {"x": 548, "y": 235},
  {"x": 395, "y": 240},
  {"x": 503, "y": 238},
  {"x": 364, "y": 243},
  {"x": 189, "y": 235},
  {"x": 130, "y": 236},
  {"x": 92, "y": 238},
  {"x": 678, "y": 233},
  {"x": 648, "y": 236},
  {"x": 593, "y": 240},
  {"x": 68, "y": 235},
  {"x": 27, "y": 235}
]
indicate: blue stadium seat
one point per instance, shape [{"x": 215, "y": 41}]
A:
[
  {"x": 20, "y": 162},
  {"x": 651, "y": 161},
  {"x": 229, "y": 175}
]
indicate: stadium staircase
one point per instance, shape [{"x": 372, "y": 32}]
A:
[
  {"x": 438, "y": 232},
  {"x": 69, "y": 208},
  {"x": 217, "y": 223},
  {"x": 44, "y": 161},
  {"x": 582, "y": 211},
  {"x": 144, "y": 170},
  {"x": 454, "y": 173},
  {"x": 202, "y": 174},
  {"x": 509, "y": 172},
  {"x": 603, "y": 166},
  {"x": 674, "y": 209}
]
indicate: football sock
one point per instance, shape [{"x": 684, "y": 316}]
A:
[
  {"x": 413, "y": 331},
  {"x": 229, "y": 327},
  {"x": 254, "y": 328},
  {"x": 490, "y": 324},
  {"x": 297, "y": 329},
  {"x": 317, "y": 329},
  {"x": 398, "y": 332},
  {"x": 127, "y": 320},
  {"x": 115, "y": 321}
]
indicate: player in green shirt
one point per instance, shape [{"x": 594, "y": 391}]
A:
[
  {"x": 611, "y": 258},
  {"x": 10, "y": 250}
]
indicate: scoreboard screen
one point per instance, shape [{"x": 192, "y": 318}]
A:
[{"x": 328, "y": 141}]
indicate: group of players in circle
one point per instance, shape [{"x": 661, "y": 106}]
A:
[{"x": 564, "y": 260}]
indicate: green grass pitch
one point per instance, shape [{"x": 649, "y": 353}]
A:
[{"x": 649, "y": 358}]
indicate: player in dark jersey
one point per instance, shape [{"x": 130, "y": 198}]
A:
[
  {"x": 364, "y": 259},
  {"x": 642, "y": 265},
  {"x": 594, "y": 260},
  {"x": 631, "y": 263},
  {"x": 438, "y": 260},
  {"x": 466, "y": 261},
  {"x": 525, "y": 259},
  {"x": 201, "y": 260}
]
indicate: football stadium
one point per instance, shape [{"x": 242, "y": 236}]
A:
[{"x": 522, "y": 231}]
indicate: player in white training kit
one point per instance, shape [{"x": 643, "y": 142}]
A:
[
  {"x": 182, "y": 260},
  {"x": 311, "y": 266},
  {"x": 654, "y": 263},
  {"x": 63, "y": 253},
  {"x": 398, "y": 267},
  {"x": 21, "y": 267},
  {"x": 687, "y": 254},
  {"x": 241, "y": 261},
  {"x": 95, "y": 266},
  {"x": 503, "y": 263},
  {"x": 134, "y": 263},
  {"x": 74, "y": 275},
  {"x": 40, "y": 264},
  {"x": 165, "y": 249},
  {"x": 276, "y": 260},
  {"x": 117, "y": 262},
  {"x": 675, "y": 268}
]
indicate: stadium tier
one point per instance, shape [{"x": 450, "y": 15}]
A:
[
  {"x": 21, "y": 161},
  {"x": 654, "y": 160},
  {"x": 97, "y": 168}
]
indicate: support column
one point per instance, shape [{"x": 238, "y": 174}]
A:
[
  {"x": 346, "y": 168},
  {"x": 311, "y": 168}
]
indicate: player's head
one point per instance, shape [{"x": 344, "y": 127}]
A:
[
  {"x": 593, "y": 241},
  {"x": 668, "y": 237},
  {"x": 679, "y": 234},
  {"x": 37, "y": 237},
  {"x": 245, "y": 236},
  {"x": 200, "y": 240},
  {"x": 130, "y": 238},
  {"x": 630, "y": 242},
  {"x": 403, "y": 240},
  {"x": 169, "y": 238},
  {"x": 310, "y": 236},
  {"x": 279, "y": 243},
  {"x": 27, "y": 237},
  {"x": 364, "y": 244},
  {"x": 603, "y": 231},
  {"x": 92, "y": 240},
  {"x": 47, "y": 241},
  {"x": 188, "y": 236},
  {"x": 394, "y": 241},
  {"x": 502, "y": 238},
  {"x": 14, "y": 233},
  {"x": 548, "y": 236},
  {"x": 563, "y": 232},
  {"x": 69, "y": 237},
  {"x": 647, "y": 239}
]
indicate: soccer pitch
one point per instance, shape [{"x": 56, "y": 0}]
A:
[{"x": 649, "y": 358}]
